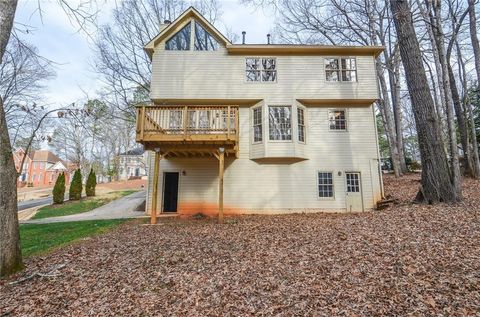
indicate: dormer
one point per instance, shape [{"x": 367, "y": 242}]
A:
[{"x": 189, "y": 32}]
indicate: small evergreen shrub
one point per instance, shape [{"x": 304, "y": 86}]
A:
[
  {"x": 59, "y": 189},
  {"x": 75, "y": 192},
  {"x": 91, "y": 184}
]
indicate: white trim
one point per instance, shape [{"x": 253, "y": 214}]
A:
[{"x": 318, "y": 184}]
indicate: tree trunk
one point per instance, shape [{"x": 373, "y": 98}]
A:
[
  {"x": 10, "y": 254},
  {"x": 452, "y": 134},
  {"x": 462, "y": 124},
  {"x": 397, "y": 111},
  {"x": 389, "y": 124},
  {"x": 436, "y": 183},
  {"x": 474, "y": 37}
]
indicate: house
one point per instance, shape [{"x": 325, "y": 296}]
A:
[
  {"x": 132, "y": 164},
  {"x": 40, "y": 168},
  {"x": 264, "y": 128}
]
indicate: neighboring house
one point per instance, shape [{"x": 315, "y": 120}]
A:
[
  {"x": 258, "y": 128},
  {"x": 132, "y": 164},
  {"x": 40, "y": 168}
]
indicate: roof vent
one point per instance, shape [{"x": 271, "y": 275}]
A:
[
  {"x": 268, "y": 38},
  {"x": 167, "y": 21},
  {"x": 243, "y": 37}
]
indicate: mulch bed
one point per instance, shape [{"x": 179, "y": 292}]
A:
[{"x": 405, "y": 260}]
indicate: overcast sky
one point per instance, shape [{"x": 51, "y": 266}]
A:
[{"x": 59, "y": 41}]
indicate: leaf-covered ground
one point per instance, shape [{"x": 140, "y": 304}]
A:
[{"x": 406, "y": 260}]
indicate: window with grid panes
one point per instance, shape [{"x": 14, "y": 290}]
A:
[
  {"x": 257, "y": 125},
  {"x": 325, "y": 184},
  {"x": 341, "y": 69},
  {"x": 301, "y": 124},
  {"x": 261, "y": 69},
  {"x": 337, "y": 120}
]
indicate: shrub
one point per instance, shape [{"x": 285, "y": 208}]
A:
[
  {"x": 91, "y": 184},
  {"x": 59, "y": 189},
  {"x": 75, "y": 192}
]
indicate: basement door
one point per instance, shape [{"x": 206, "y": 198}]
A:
[
  {"x": 353, "y": 196},
  {"x": 170, "y": 191}
]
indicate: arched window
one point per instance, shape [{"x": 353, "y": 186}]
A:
[{"x": 181, "y": 40}]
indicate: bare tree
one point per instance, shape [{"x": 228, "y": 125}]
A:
[
  {"x": 121, "y": 61},
  {"x": 10, "y": 254},
  {"x": 474, "y": 36},
  {"x": 436, "y": 183}
]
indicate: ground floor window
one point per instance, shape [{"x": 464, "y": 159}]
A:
[{"x": 325, "y": 184}]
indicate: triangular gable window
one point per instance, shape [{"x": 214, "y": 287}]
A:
[
  {"x": 204, "y": 41},
  {"x": 180, "y": 41}
]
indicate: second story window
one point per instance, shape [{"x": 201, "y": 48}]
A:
[
  {"x": 257, "y": 125},
  {"x": 181, "y": 40},
  {"x": 261, "y": 69},
  {"x": 337, "y": 120},
  {"x": 341, "y": 69},
  {"x": 301, "y": 124},
  {"x": 280, "y": 122},
  {"x": 204, "y": 41}
]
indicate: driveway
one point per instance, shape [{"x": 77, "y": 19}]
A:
[{"x": 125, "y": 207}]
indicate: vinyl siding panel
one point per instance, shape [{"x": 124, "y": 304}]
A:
[
  {"x": 218, "y": 75},
  {"x": 283, "y": 185}
]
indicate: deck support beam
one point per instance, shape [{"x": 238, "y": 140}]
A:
[
  {"x": 156, "y": 168},
  {"x": 221, "y": 165}
]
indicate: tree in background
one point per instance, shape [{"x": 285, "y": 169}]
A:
[
  {"x": 91, "y": 184},
  {"x": 75, "y": 192},
  {"x": 59, "y": 190},
  {"x": 436, "y": 184}
]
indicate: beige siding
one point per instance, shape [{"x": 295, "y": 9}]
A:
[
  {"x": 284, "y": 185},
  {"x": 217, "y": 75}
]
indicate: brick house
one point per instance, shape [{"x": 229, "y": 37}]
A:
[{"x": 41, "y": 168}]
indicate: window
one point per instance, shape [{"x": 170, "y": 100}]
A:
[
  {"x": 180, "y": 41},
  {"x": 337, "y": 120},
  {"x": 204, "y": 41},
  {"x": 341, "y": 69},
  {"x": 325, "y": 184},
  {"x": 280, "y": 122},
  {"x": 257, "y": 125},
  {"x": 353, "y": 182},
  {"x": 261, "y": 69},
  {"x": 301, "y": 124}
]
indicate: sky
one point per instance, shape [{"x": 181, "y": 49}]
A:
[{"x": 59, "y": 41}]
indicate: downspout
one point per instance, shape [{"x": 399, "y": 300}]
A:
[{"x": 379, "y": 165}]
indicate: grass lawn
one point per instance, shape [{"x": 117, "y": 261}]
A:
[
  {"x": 39, "y": 238},
  {"x": 77, "y": 207}
]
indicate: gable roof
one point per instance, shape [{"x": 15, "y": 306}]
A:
[
  {"x": 59, "y": 166},
  {"x": 44, "y": 156},
  {"x": 172, "y": 27}
]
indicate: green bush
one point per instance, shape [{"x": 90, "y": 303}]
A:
[
  {"x": 75, "y": 192},
  {"x": 91, "y": 184},
  {"x": 59, "y": 189}
]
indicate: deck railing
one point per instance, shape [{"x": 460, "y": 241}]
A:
[{"x": 184, "y": 122}]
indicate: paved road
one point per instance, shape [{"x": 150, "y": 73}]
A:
[
  {"x": 34, "y": 203},
  {"x": 125, "y": 207}
]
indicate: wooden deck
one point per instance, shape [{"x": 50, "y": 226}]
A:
[{"x": 178, "y": 131}]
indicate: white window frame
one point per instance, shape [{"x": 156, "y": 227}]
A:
[
  {"x": 318, "y": 185},
  {"x": 346, "y": 120},
  {"x": 260, "y": 109},
  {"x": 304, "y": 125},
  {"x": 292, "y": 133},
  {"x": 261, "y": 70},
  {"x": 339, "y": 58}
]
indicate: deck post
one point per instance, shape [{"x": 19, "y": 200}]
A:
[
  {"x": 221, "y": 157},
  {"x": 156, "y": 168}
]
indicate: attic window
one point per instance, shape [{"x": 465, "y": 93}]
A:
[
  {"x": 204, "y": 41},
  {"x": 180, "y": 41}
]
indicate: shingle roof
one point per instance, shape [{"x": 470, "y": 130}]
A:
[{"x": 44, "y": 156}]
